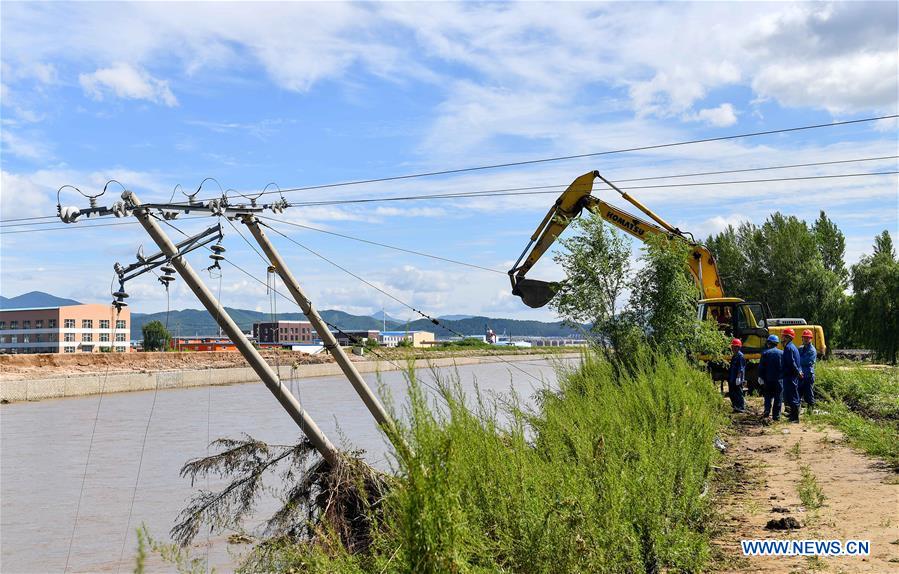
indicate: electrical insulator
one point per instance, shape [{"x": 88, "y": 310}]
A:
[
  {"x": 167, "y": 269},
  {"x": 120, "y": 297},
  {"x": 119, "y": 209},
  {"x": 69, "y": 213},
  {"x": 169, "y": 215}
]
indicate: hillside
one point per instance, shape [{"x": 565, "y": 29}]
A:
[
  {"x": 195, "y": 322},
  {"x": 34, "y": 299}
]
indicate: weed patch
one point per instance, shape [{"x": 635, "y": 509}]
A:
[
  {"x": 607, "y": 474},
  {"x": 863, "y": 402},
  {"x": 810, "y": 492}
]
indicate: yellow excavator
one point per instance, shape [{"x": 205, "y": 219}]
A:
[{"x": 748, "y": 321}]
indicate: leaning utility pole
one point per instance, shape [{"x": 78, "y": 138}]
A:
[
  {"x": 349, "y": 369},
  {"x": 262, "y": 368}
]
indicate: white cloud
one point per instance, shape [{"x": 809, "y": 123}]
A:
[
  {"x": 720, "y": 117},
  {"x": 126, "y": 81},
  {"x": 718, "y": 223},
  {"x": 865, "y": 81},
  {"x": 20, "y": 196},
  {"x": 28, "y": 148}
]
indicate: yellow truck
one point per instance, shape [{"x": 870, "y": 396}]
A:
[{"x": 751, "y": 322}]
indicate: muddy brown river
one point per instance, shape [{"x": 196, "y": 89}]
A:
[{"x": 44, "y": 446}]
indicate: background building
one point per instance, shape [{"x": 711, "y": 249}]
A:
[
  {"x": 283, "y": 332},
  {"x": 417, "y": 338},
  {"x": 202, "y": 344},
  {"x": 65, "y": 329},
  {"x": 346, "y": 338}
]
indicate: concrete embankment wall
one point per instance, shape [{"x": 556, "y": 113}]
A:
[{"x": 80, "y": 385}]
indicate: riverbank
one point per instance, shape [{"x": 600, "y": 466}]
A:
[{"x": 135, "y": 373}]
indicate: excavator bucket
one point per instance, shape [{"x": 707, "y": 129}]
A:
[{"x": 535, "y": 293}]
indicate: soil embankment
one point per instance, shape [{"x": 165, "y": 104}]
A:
[
  {"x": 49, "y": 366},
  {"x": 770, "y": 469},
  {"x": 37, "y": 377},
  {"x": 53, "y": 365}
]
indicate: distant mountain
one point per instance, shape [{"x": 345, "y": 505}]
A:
[
  {"x": 35, "y": 299},
  {"x": 477, "y": 326},
  {"x": 455, "y": 317},
  {"x": 194, "y": 322},
  {"x": 382, "y": 316}
]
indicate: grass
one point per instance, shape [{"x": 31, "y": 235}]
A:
[
  {"x": 810, "y": 492},
  {"x": 607, "y": 474},
  {"x": 863, "y": 402}
]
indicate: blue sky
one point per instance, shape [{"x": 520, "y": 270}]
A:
[{"x": 159, "y": 94}]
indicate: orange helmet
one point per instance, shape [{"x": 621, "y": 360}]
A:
[
  {"x": 789, "y": 331},
  {"x": 736, "y": 343},
  {"x": 807, "y": 333}
]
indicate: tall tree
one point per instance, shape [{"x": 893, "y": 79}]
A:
[
  {"x": 794, "y": 268},
  {"x": 596, "y": 264},
  {"x": 663, "y": 301},
  {"x": 156, "y": 336},
  {"x": 875, "y": 300},
  {"x": 831, "y": 245}
]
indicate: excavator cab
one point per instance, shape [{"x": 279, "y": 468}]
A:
[{"x": 737, "y": 318}]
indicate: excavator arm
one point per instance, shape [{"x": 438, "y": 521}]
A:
[{"x": 575, "y": 199}]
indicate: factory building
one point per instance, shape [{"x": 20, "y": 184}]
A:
[{"x": 416, "y": 338}]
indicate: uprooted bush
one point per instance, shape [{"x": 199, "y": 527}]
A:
[
  {"x": 607, "y": 473},
  {"x": 316, "y": 497}
]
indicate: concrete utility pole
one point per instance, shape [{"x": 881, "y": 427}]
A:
[
  {"x": 349, "y": 369},
  {"x": 262, "y": 368}
]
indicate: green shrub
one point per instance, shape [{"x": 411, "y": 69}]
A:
[{"x": 604, "y": 474}]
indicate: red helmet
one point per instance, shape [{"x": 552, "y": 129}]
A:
[
  {"x": 807, "y": 333},
  {"x": 789, "y": 331},
  {"x": 736, "y": 343}
]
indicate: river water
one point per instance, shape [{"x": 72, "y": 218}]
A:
[{"x": 44, "y": 447}]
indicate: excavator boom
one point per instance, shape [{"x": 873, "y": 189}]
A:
[{"x": 568, "y": 206}]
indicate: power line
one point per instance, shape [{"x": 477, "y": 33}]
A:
[
  {"x": 577, "y": 156},
  {"x": 527, "y": 191},
  {"x": 535, "y": 190},
  {"x": 580, "y": 156},
  {"x": 385, "y": 245},
  {"x": 9, "y": 223},
  {"x": 436, "y": 322},
  {"x": 74, "y": 227}
]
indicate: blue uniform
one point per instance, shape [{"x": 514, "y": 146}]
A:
[
  {"x": 735, "y": 377},
  {"x": 807, "y": 358},
  {"x": 789, "y": 372},
  {"x": 769, "y": 371}
]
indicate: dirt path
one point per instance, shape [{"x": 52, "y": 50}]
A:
[{"x": 763, "y": 473}]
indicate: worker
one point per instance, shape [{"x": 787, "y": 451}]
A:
[
  {"x": 769, "y": 375},
  {"x": 791, "y": 373},
  {"x": 807, "y": 358},
  {"x": 736, "y": 375}
]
